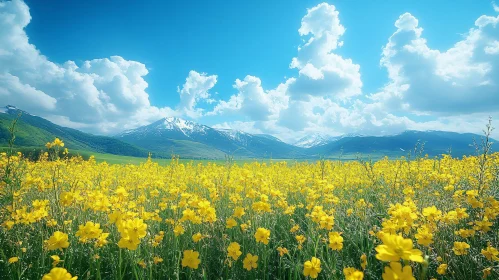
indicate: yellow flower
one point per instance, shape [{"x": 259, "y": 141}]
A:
[
  {"x": 157, "y": 260},
  {"x": 142, "y": 263},
  {"x": 231, "y": 223},
  {"x": 178, "y": 230},
  {"x": 234, "y": 250},
  {"x": 129, "y": 243},
  {"x": 58, "y": 142},
  {"x": 244, "y": 227},
  {"x": 238, "y": 212},
  {"x": 442, "y": 269},
  {"x": 102, "y": 240},
  {"x": 363, "y": 261},
  {"x": 282, "y": 251},
  {"x": 262, "y": 235},
  {"x": 191, "y": 259},
  {"x": 51, "y": 223},
  {"x": 58, "y": 273},
  {"x": 250, "y": 262},
  {"x": 294, "y": 229},
  {"x": 460, "y": 248},
  {"x": 353, "y": 274},
  {"x": 197, "y": 237},
  {"x": 395, "y": 247},
  {"x": 424, "y": 236},
  {"x": 335, "y": 241},
  {"x": 8, "y": 224},
  {"x": 312, "y": 267},
  {"x": 465, "y": 233},
  {"x": 483, "y": 225},
  {"x": 88, "y": 231},
  {"x": 56, "y": 259},
  {"x": 490, "y": 253},
  {"x": 13, "y": 260},
  {"x": 136, "y": 228},
  {"x": 396, "y": 272},
  {"x": 432, "y": 213},
  {"x": 349, "y": 212},
  {"x": 300, "y": 239},
  {"x": 487, "y": 272},
  {"x": 58, "y": 240}
]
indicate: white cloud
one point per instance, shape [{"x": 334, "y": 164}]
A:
[
  {"x": 455, "y": 89},
  {"x": 195, "y": 89},
  {"x": 462, "y": 79},
  {"x": 16, "y": 92},
  {"x": 104, "y": 95},
  {"x": 253, "y": 101},
  {"x": 323, "y": 80},
  {"x": 322, "y": 72},
  {"x": 496, "y": 8}
]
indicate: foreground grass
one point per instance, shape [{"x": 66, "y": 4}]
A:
[{"x": 145, "y": 219}]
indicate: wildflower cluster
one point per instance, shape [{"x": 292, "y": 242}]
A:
[{"x": 392, "y": 219}]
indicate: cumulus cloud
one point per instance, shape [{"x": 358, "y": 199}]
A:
[
  {"x": 322, "y": 72},
  {"x": 324, "y": 79},
  {"x": 462, "y": 79},
  {"x": 458, "y": 85},
  {"x": 455, "y": 89},
  {"x": 104, "y": 95},
  {"x": 195, "y": 89},
  {"x": 253, "y": 101}
]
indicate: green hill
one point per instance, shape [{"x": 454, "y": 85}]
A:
[{"x": 33, "y": 131}]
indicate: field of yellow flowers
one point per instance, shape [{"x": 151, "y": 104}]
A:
[{"x": 423, "y": 218}]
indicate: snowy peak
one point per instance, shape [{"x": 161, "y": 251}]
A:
[
  {"x": 237, "y": 136},
  {"x": 187, "y": 127},
  {"x": 232, "y": 133},
  {"x": 314, "y": 140},
  {"x": 169, "y": 124}
]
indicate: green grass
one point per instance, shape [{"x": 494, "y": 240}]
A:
[{"x": 118, "y": 159}]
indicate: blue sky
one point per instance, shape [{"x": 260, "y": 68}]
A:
[{"x": 224, "y": 41}]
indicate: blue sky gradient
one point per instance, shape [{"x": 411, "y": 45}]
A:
[{"x": 234, "y": 39}]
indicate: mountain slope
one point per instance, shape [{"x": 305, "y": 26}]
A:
[
  {"x": 435, "y": 143},
  {"x": 314, "y": 140},
  {"x": 264, "y": 145},
  {"x": 191, "y": 140},
  {"x": 162, "y": 133},
  {"x": 33, "y": 131},
  {"x": 176, "y": 135}
]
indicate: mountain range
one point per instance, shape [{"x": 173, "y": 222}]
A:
[{"x": 192, "y": 140}]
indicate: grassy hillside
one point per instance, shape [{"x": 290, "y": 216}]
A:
[
  {"x": 32, "y": 131},
  {"x": 183, "y": 148}
]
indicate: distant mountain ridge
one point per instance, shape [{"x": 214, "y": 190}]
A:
[
  {"x": 163, "y": 133},
  {"x": 315, "y": 139},
  {"x": 244, "y": 144},
  {"x": 192, "y": 140},
  {"x": 435, "y": 143}
]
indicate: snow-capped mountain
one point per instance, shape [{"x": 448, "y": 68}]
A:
[
  {"x": 170, "y": 125},
  {"x": 164, "y": 132},
  {"x": 314, "y": 140},
  {"x": 239, "y": 137}
]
